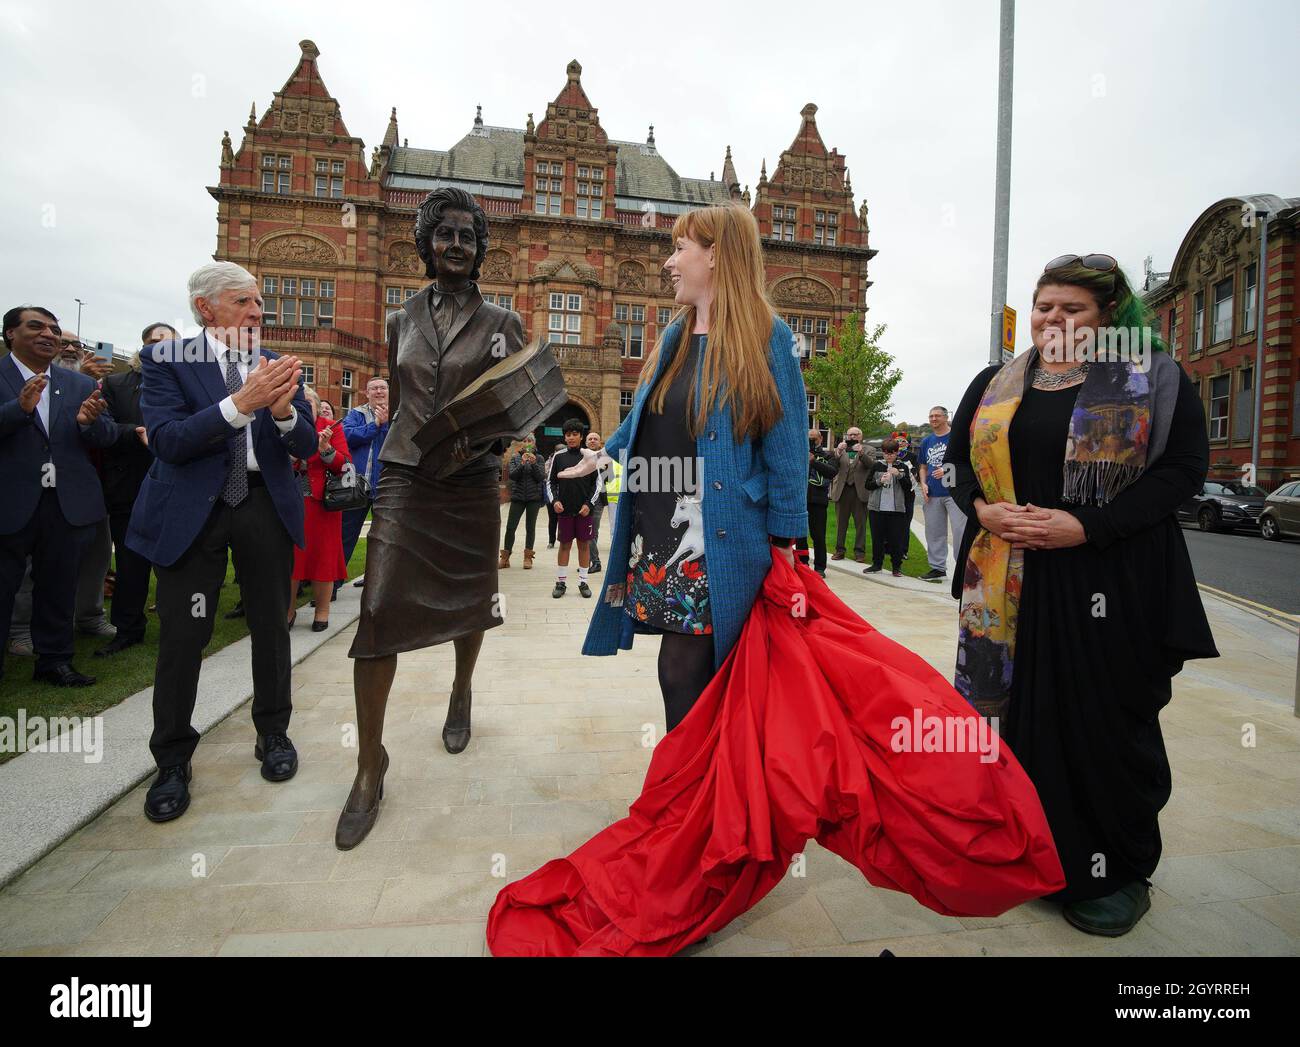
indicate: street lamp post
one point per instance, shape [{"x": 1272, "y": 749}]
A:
[
  {"x": 80, "y": 303},
  {"x": 1002, "y": 197}
]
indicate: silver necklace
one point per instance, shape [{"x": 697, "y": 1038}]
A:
[{"x": 1059, "y": 379}]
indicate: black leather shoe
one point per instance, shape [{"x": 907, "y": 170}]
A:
[
  {"x": 320, "y": 627},
  {"x": 63, "y": 676},
  {"x": 1115, "y": 914},
  {"x": 115, "y": 646},
  {"x": 279, "y": 757},
  {"x": 360, "y": 583},
  {"x": 594, "y": 568},
  {"x": 235, "y": 612},
  {"x": 169, "y": 796}
]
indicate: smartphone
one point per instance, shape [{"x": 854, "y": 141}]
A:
[{"x": 104, "y": 351}]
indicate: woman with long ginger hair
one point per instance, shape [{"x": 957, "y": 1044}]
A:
[
  {"x": 779, "y": 700},
  {"x": 719, "y": 412}
]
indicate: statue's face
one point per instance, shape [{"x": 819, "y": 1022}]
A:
[{"x": 454, "y": 247}]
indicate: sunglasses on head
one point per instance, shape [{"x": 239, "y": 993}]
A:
[{"x": 1101, "y": 263}]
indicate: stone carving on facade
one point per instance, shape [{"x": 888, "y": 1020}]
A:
[
  {"x": 631, "y": 276},
  {"x": 802, "y": 291},
  {"x": 291, "y": 248},
  {"x": 404, "y": 259},
  {"x": 289, "y": 121},
  {"x": 665, "y": 284},
  {"x": 555, "y": 268},
  {"x": 318, "y": 123},
  {"x": 1220, "y": 241},
  {"x": 273, "y": 213},
  {"x": 498, "y": 266}
]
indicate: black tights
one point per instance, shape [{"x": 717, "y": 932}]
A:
[{"x": 685, "y": 669}]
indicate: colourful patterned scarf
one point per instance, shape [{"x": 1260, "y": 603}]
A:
[{"x": 1106, "y": 451}]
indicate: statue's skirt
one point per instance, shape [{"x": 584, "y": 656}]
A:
[{"x": 431, "y": 559}]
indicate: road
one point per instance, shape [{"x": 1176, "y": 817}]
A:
[{"x": 1245, "y": 565}]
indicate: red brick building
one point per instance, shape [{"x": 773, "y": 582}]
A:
[
  {"x": 579, "y": 222},
  {"x": 1208, "y": 310}
]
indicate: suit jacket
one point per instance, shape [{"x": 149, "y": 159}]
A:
[
  {"x": 852, "y": 471},
  {"x": 127, "y": 462},
  {"x": 26, "y": 447},
  {"x": 192, "y": 442},
  {"x": 424, "y": 375},
  {"x": 752, "y": 489}
]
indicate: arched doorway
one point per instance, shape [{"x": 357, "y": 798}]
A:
[{"x": 551, "y": 431}]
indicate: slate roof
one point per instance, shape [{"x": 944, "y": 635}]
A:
[{"x": 496, "y": 155}]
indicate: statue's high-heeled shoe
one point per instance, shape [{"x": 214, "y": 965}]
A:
[
  {"x": 456, "y": 731},
  {"x": 353, "y": 826}
]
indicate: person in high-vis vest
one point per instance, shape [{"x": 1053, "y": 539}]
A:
[{"x": 613, "y": 484}]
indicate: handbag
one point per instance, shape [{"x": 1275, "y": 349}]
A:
[{"x": 346, "y": 490}]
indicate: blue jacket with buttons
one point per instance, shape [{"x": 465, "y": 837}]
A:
[{"x": 752, "y": 489}]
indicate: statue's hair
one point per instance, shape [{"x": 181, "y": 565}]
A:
[
  {"x": 430, "y": 214},
  {"x": 1120, "y": 306}
]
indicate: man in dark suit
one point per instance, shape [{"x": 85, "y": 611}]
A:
[
  {"x": 126, "y": 464},
  {"x": 223, "y": 418},
  {"x": 52, "y": 499}
]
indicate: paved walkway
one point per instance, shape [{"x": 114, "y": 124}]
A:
[{"x": 558, "y": 753}]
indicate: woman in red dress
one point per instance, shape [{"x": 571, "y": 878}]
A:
[{"x": 320, "y": 560}]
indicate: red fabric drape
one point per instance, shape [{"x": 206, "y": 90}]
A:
[{"x": 793, "y": 740}]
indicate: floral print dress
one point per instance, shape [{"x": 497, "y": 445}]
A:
[{"x": 667, "y": 579}]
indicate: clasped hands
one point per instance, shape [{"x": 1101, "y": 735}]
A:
[
  {"x": 1029, "y": 526},
  {"x": 271, "y": 383}
]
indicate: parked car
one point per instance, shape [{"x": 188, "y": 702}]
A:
[
  {"x": 1224, "y": 505},
  {"x": 1281, "y": 513}
]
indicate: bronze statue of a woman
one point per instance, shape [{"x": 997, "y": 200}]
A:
[{"x": 431, "y": 558}]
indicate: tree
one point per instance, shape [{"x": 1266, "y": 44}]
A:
[{"x": 853, "y": 382}]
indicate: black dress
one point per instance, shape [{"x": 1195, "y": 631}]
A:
[
  {"x": 1103, "y": 628},
  {"x": 667, "y": 582}
]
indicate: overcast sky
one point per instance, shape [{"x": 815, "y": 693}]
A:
[{"x": 1131, "y": 118}]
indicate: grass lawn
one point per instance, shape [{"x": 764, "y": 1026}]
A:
[
  {"x": 124, "y": 674},
  {"x": 914, "y": 565}
]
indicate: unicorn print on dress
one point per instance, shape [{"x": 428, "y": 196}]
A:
[{"x": 691, "y": 547}]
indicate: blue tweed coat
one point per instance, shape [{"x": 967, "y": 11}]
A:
[{"x": 751, "y": 489}]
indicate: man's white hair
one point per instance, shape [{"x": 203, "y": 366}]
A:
[
  {"x": 381, "y": 381},
  {"x": 208, "y": 281}
]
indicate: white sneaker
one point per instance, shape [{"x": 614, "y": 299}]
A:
[
  {"x": 99, "y": 628},
  {"x": 22, "y": 647}
]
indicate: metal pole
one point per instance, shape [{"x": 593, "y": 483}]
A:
[
  {"x": 1002, "y": 196},
  {"x": 1260, "y": 299},
  {"x": 79, "y": 304}
]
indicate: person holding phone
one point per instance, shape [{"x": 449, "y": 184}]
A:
[
  {"x": 850, "y": 495},
  {"x": 890, "y": 483},
  {"x": 527, "y": 496}
]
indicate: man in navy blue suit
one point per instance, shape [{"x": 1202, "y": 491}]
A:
[
  {"x": 51, "y": 500},
  {"x": 223, "y": 419}
]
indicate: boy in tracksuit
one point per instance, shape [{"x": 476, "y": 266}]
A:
[{"x": 573, "y": 502}]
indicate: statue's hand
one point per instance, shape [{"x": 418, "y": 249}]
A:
[{"x": 591, "y": 461}]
